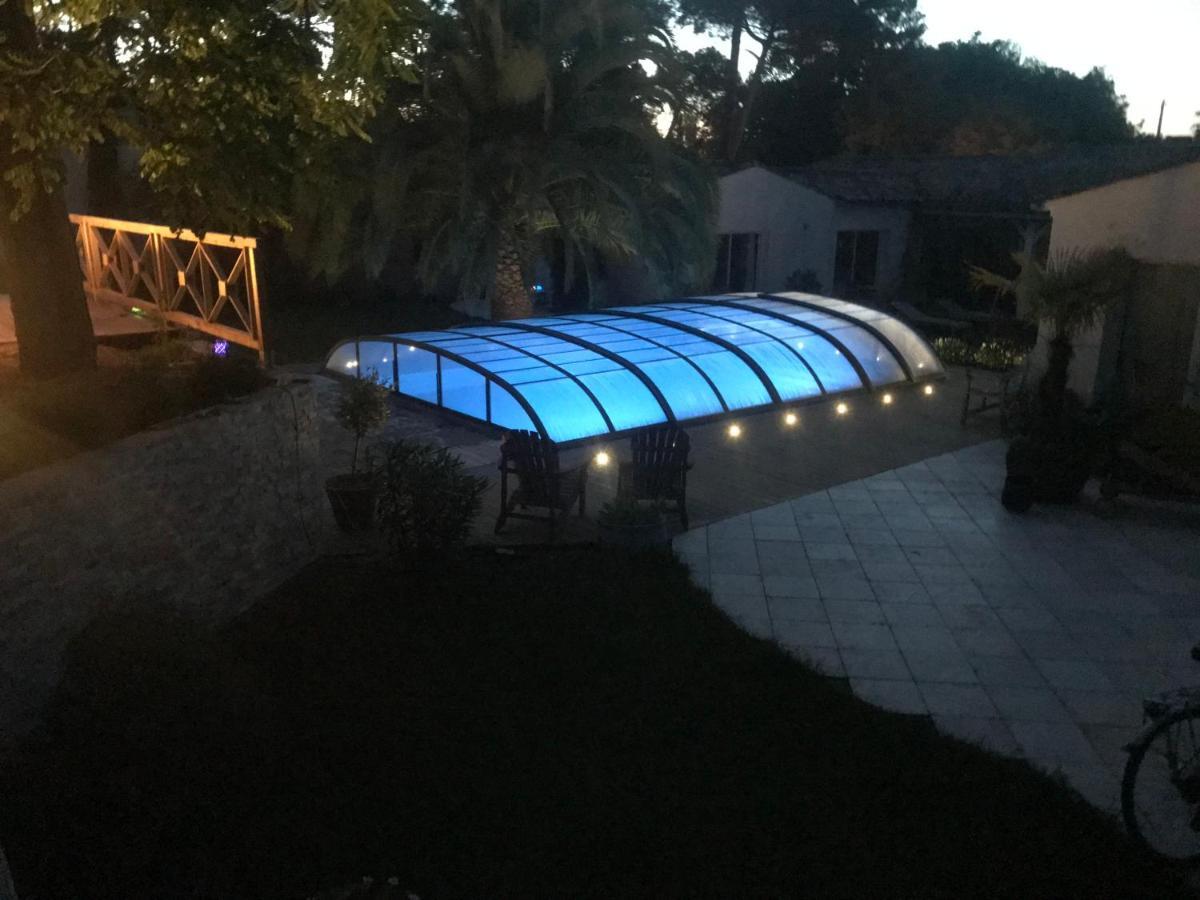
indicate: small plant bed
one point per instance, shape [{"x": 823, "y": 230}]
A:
[
  {"x": 45, "y": 421},
  {"x": 574, "y": 723},
  {"x": 990, "y": 356}
]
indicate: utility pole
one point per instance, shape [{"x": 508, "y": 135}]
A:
[{"x": 1162, "y": 109}]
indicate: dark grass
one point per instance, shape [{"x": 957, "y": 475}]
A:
[{"x": 572, "y": 723}]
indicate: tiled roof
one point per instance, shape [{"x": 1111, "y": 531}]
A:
[{"x": 1014, "y": 183}]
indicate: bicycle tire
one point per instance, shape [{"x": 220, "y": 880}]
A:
[{"x": 1137, "y": 754}]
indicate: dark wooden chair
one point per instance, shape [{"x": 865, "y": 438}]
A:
[
  {"x": 541, "y": 483},
  {"x": 658, "y": 470}
]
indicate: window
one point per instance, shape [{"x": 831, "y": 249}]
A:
[
  {"x": 857, "y": 261},
  {"x": 737, "y": 263}
]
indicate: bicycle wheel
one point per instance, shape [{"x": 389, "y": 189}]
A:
[{"x": 1160, "y": 793}]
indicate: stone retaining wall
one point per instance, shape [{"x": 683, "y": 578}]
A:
[{"x": 206, "y": 514}]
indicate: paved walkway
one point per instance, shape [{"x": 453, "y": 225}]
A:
[{"x": 1034, "y": 636}]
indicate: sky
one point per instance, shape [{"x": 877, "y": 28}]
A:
[{"x": 1151, "y": 48}]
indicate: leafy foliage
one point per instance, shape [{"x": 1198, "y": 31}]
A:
[
  {"x": 825, "y": 39},
  {"x": 362, "y": 407},
  {"x": 428, "y": 500},
  {"x": 532, "y": 130},
  {"x": 972, "y": 97},
  {"x": 996, "y": 355},
  {"x": 1071, "y": 292},
  {"x": 225, "y": 100}
]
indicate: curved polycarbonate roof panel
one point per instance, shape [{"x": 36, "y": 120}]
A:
[{"x": 579, "y": 376}]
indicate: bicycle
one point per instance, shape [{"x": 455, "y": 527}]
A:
[{"x": 1160, "y": 790}]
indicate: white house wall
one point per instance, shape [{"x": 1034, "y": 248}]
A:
[
  {"x": 1157, "y": 219},
  {"x": 794, "y": 224}
]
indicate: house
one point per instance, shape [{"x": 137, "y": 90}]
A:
[
  {"x": 1152, "y": 341},
  {"x": 878, "y": 228}
]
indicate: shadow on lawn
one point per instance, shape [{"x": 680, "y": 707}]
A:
[{"x": 576, "y": 723}]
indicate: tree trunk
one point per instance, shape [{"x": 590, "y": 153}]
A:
[
  {"x": 40, "y": 263},
  {"x": 740, "y": 117},
  {"x": 510, "y": 296},
  {"x": 733, "y": 88},
  {"x": 1053, "y": 387}
]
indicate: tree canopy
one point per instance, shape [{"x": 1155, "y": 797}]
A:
[
  {"x": 224, "y": 100},
  {"x": 533, "y": 134},
  {"x": 831, "y": 37},
  {"x": 975, "y": 97}
]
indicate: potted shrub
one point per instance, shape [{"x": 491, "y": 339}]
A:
[
  {"x": 362, "y": 407},
  {"x": 628, "y": 523},
  {"x": 1053, "y": 459}
]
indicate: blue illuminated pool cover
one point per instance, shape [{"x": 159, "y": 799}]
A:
[{"x": 578, "y": 376}]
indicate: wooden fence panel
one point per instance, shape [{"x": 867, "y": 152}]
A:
[{"x": 208, "y": 284}]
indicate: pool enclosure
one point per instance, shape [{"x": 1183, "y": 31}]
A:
[{"x": 584, "y": 375}]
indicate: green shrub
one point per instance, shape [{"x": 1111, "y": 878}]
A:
[
  {"x": 996, "y": 355},
  {"x": 952, "y": 351},
  {"x": 427, "y": 501}
]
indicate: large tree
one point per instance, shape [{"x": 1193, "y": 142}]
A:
[
  {"x": 530, "y": 136},
  {"x": 974, "y": 97},
  {"x": 794, "y": 37},
  {"x": 224, "y": 99}
]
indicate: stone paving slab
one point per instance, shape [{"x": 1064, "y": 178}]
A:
[{"x": 1033, "y": 636}]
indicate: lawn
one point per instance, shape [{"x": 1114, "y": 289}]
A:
[{"x": 576, "y": 722}]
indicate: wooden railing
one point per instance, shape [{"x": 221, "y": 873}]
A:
[{"x": 208, "y": 284}]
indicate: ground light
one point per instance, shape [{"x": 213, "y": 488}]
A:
[
  {"x": 843, "y": 408},
  {"x": 929, "y": 390},
  {"x": 791, "y": 420},
  {"x": 735, "y": 430},
  {"x": 887, "y": 399},
  {"x": 602, "y": 459}
]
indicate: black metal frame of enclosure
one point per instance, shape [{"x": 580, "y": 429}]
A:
[
  {"x": 726, "y": 413},
  {"x": 846, "y": 317}
]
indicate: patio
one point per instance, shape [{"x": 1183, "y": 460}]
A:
[
  {"x": 768, "y": 464},
  {"x": 1034, "y": 636}
]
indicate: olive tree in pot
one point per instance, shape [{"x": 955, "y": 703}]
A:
[
  {"x": 362, "y": 407},
  {"x": 628, "y": 523},
  {"x": 1053, "y": 457}
]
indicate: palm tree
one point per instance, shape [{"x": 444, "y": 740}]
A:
[
  {"x": 1070, "y": 294},
  {"x": 1053, "y": 459},
  {"x": 533, "y": 128}
]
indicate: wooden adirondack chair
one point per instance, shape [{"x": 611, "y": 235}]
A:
[
  {"x": 658, "y": 470},
  {"x": 541, "y": 483}
]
